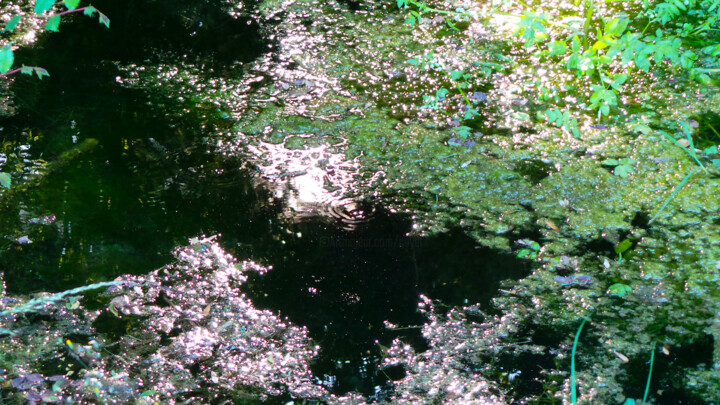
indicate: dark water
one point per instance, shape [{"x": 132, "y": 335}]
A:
[{"x": 150, "y": 184}]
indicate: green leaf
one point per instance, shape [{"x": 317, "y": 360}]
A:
[
  {"x": 71, "y": 4},
  {"x": 10, "y": 26},
  {"x": 622, "y": 171},
  {"x": 523, "y": 253},
  {"x": 520, "y": 116},
  {"x": 147, "y": 393},
  {"x": 619, "y": 289},
  {"x": 40, "y": 72},
  {"x": 623, "y": 246},
  {"x": 456, "y": 74},
  {"x": 610, "y": 162},
  {"x": 104, "y": 19},
  {"x": 576, "y": 45},
  {"x": 557, "y": 48},
  {"x": 53, "y": 23},
  {"x": 27, "y": 70},
  {"x": 470, "y": 113},
  {"x": 5, "y": 179},
  {"x": 412, "y": 61},
  {"x": 89, "y": 10},
  {"x": 6, "y": 58},
  {"x": 42, "y": 6},
  {"x": 604, "y": 110},
  {"x": 611, "y": 26},
  {"x": 642, "y": 61},
  {"x": 703, "y": 78}
]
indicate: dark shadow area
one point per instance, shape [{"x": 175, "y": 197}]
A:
[
  {"x": 454, "y": 269},
  {"x": 667, "y": 385},
  {"x": 116, "y": 161}
]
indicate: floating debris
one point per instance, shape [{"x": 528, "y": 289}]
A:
[{"x": 574, "y": 279}]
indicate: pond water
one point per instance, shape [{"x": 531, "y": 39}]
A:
[
  {"x": 291, "y": 131},
  {"x": 149, "y": 183}
]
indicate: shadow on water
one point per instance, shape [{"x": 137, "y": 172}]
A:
[
  {"x": 109, "y": 203},
  {"x": 149, "y": 184}
]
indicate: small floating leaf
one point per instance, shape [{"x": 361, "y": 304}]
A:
[
  {"x": 610, "y": 162},
  {"x": 5, "y": 179},
  {"x": 622, "y": 171}
]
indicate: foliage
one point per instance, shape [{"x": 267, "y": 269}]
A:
[
  {"x": 573, "y": 391},
  {"x": 52, "y": 23},
  {"x": 623, "y": 167},
  {"x": 459, "y": 80},
  {"x": 36, "y": 304},
  {"x": 619, "y": 289},
  {"x": 531, "y": 251},
  {"x": 622, "y": 247},
  {"x": 690, "y": 150}
]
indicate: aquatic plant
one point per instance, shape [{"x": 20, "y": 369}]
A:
[
  {"x": 573, "y": 384},
  {"x": 690, "y": 150},
  {"x": 52, "y": 23},
  {"x": 36, "y": 304}
]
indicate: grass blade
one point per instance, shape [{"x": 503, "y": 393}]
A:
[
  {"x": 679, "y": 186},
  {"x": 690, "y": 151},
  {"x": 647, "y": 386},
  {"x": 573, "y": 392}
]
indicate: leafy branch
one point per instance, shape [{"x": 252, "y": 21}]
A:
[{"x": 7, "y": 57}]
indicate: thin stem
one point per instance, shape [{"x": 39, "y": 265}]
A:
[
  {"x": 573, "y": 393},
  {"x": 77, "y": 10},
  {"x": 11, "y": 72},
  {"x": 679, "y": 186},
  {"x": 458, "y": 87},
  {"x": 647, "y": 386}
]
